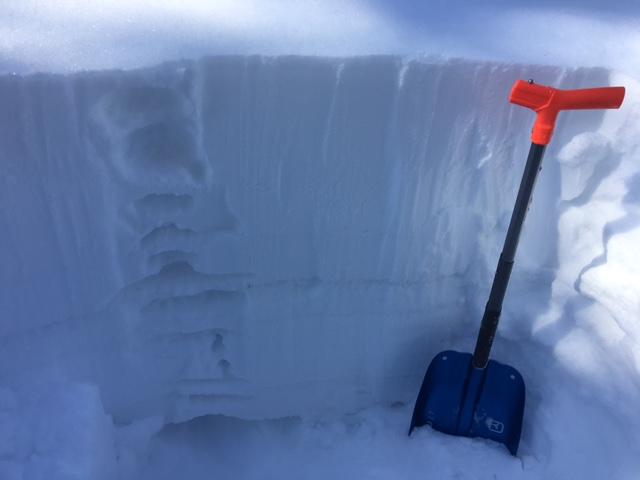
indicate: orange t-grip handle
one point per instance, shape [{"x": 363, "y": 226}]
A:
[{"x": 548, "y": 101}]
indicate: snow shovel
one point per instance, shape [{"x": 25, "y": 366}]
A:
[{"x": 470, "y": 395}]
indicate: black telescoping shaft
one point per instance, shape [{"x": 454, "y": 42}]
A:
[{"x": 493, "y": 308}]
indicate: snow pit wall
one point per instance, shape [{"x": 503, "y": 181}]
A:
[{"x": 263, "y": 237}]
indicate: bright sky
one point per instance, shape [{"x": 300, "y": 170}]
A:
[{"x": 64, "y": 35}]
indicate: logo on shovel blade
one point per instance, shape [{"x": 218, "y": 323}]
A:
[{"x": 495, "y": 426}]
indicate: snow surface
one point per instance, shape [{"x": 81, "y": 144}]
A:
[
  {"x": 248, "y": 262},
  {"x": 72, "y": 35}
]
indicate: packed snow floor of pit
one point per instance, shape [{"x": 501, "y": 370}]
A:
[
  {"x": 568, "y": 433},
  {"x": 62, "y": 433},
  {"x": 240, "y": 267}
]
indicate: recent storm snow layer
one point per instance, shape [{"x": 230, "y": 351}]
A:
[{"x": 240, "y": 267}]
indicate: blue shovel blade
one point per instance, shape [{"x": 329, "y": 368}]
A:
[{"x": 458, "y": 399}]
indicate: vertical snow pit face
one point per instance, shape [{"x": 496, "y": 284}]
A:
[
  {"x": 373, "y": 196},
  {"x": 47, "y": 191},
  {"x": 175, "y": 311},
  {"x": 263, "y": 146},
  {"x": 317, "y": 229},
  {"x": 300, "y": 132}
]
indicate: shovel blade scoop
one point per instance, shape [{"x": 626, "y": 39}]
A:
[{"x": 458, "y": 399}]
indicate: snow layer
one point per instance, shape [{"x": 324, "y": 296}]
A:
[{"x": 296, "y": 237}]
